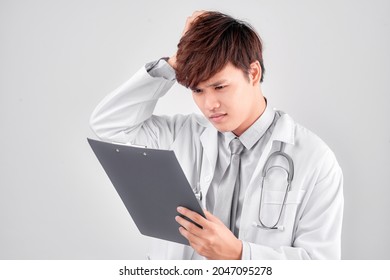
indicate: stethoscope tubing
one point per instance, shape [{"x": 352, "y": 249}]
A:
[{"x": 290, "y": 176}]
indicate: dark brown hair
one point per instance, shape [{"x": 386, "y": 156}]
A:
[{"x": 213, "y": 40}]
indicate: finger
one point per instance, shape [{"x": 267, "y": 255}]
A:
[
  {"x": 197, "y": 243},
  {"x": 189, "y": 226},
  {"x": 191, "y": 19},
  {"x": 197, "y": 13},
  {"x": 192, "y": 238},
  {"x": 212, "y": 218},
  {"x": 192, "y": 216},
  {"x": 194, "y": 15}
]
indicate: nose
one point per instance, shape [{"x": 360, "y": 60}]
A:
[{"x": 211, "y": 101}]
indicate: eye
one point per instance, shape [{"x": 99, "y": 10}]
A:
[
  {"x": 219, "y": 87},
  {"x": 196, "y": 90}
]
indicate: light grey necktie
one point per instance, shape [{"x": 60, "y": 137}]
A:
[{"x": 228, "y": 190}]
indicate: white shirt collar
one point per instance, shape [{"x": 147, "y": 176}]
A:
[{"x": 254, "y": 133}]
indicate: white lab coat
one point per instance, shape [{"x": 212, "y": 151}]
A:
[{"x": 312, "y": 217}]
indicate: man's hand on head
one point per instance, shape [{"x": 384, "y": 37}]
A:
[
  {"x": 189, "y": 22},
  {"x": 214, "y": 240},
  {"x": 191, "y": 19}
]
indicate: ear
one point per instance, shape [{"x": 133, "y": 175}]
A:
[{"x": 255, "y": 72}]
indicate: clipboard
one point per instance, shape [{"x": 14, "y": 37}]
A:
[{"x": 151, "y": 184}]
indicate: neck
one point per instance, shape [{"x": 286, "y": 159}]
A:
[
  {"x": 262, "y": 106},
  {"x": 257, "y": 110}
]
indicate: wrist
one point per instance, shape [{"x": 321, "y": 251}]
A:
[
  {"x": 237, "y": 253},
  {"x": 172, "y": 61},
  {"x": 239, "y": 249}
]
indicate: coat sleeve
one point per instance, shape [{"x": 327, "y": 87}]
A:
[
  {"x": 126, "y": 114},
  {"x": 318, "y": 232}
]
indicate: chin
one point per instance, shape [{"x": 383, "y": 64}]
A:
[{"x": 222, "y": 128}]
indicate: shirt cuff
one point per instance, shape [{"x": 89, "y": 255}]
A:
[
  {"x": 246, "y": 251},
  {"x": 161, "y": 68}
]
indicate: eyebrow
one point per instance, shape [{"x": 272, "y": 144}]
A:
[
  {"x": 214, "y": 84},
  {"x": 217, "y": 83}
]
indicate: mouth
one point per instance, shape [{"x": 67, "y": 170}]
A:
[{"x": 217, "y": 117}]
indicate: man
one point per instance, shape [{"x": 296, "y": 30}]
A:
[{"x": 225, "y": 153}]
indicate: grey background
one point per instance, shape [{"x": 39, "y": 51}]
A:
[{"x": 327, "y": 65}]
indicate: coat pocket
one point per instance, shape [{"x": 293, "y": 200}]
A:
[
  {"x": 275, "y": 209},
  {"x": 268, "y": 214}
]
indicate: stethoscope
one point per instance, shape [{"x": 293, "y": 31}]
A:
[
  {"x": 267, "y": 167},
  {"x": 290, "y": 175},
  {"x": 198, "y": 193}
]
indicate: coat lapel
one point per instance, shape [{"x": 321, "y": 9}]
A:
[
  {"x": 209, "y": 141},
  {"x": 284, "y": 131}
]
